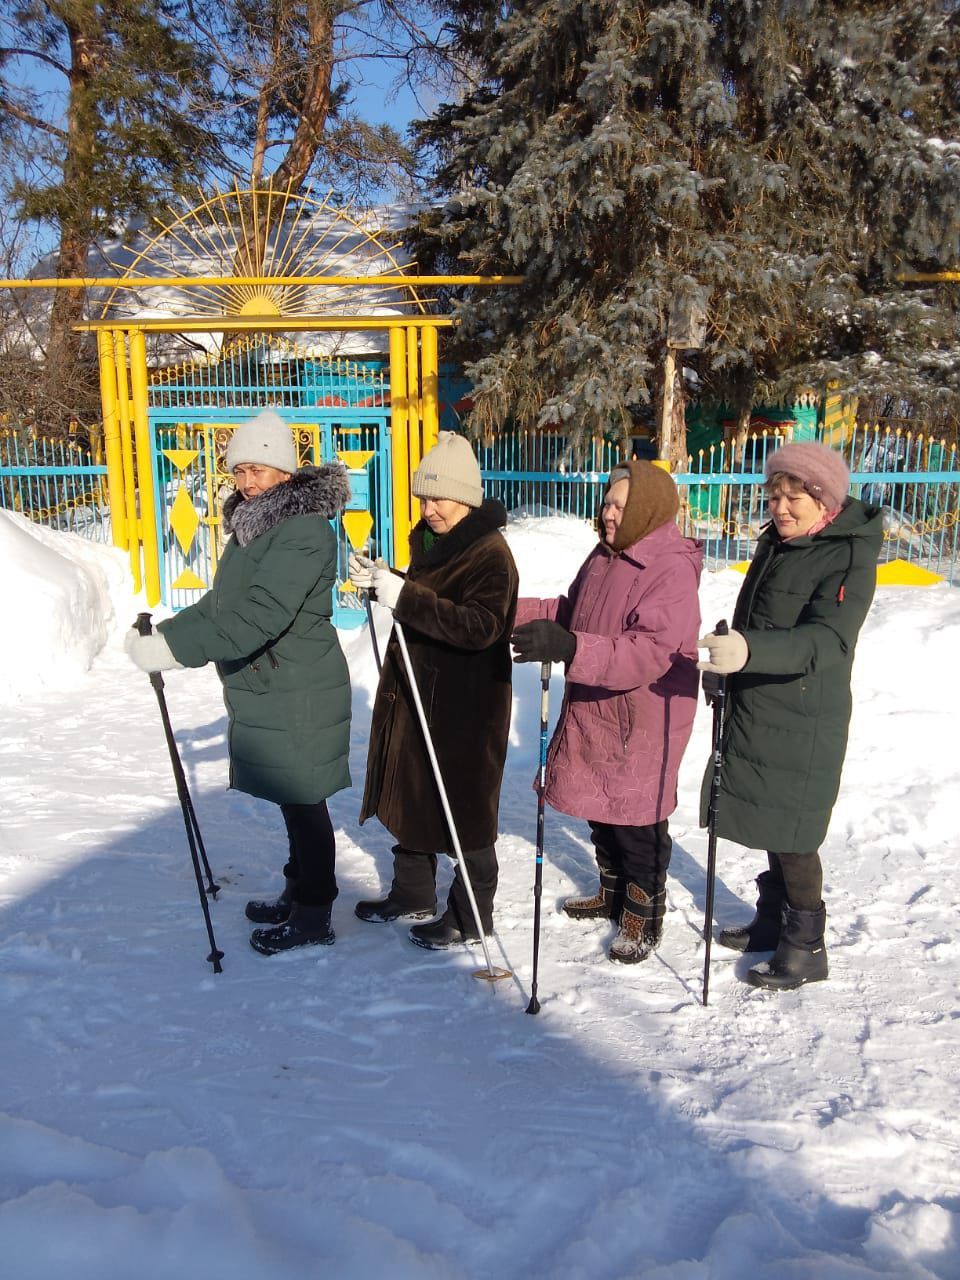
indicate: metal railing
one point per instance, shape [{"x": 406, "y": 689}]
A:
[
  {"x": 56, "y": 483},
  {"x": 914, "y": 477}
]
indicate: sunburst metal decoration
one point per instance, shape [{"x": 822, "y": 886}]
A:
[{"x": 294, "y": 254}]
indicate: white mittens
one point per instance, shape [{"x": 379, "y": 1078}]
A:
[
  {"x": 150, "y": 653},
  {"x": 728, "y": 653},
  {"x": 387, "y": 585}
]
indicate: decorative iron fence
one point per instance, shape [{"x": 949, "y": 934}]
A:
[
  {"x": 56, "y": 483},
  {"x": 255, "y": 371},
  {"x": 914, "y": 477}
]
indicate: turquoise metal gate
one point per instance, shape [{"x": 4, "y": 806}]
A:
[{"x": 339, "y": 409}]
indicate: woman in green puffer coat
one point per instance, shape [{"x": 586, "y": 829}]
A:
[
  {"x": 788, "y": 660},
  {"x": 266, "y": 623}
]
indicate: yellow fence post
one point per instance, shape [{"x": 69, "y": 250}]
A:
[
  {"x": 414, "y": 415},
  {"x": 141, "y": 428},
  {"x": 111, "y": 440},
  {"x": 430, "y": 377},
  {"x": 400, "y": 460},
  {"x": 126, "y": 453}
]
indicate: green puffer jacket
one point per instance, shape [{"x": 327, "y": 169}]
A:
[
  {"x": 266, "y": 624},
  {"x": 788, "y": 711}
]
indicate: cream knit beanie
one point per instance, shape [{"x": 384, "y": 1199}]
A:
[{"x": 449, "y": 470}]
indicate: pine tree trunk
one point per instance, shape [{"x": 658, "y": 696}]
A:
[
  {"x": 294, "y": 168},
  {"x": 63, "y": 380}
]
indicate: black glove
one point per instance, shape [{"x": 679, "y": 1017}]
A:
[{"x": 543, "y": 641}]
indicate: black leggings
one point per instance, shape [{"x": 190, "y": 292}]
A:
[
  {"x": 639, "y": 855},
  {"x": 801, "y": 875},
  {"x": 312, "y": 853}
]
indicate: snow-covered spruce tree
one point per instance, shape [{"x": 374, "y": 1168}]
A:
[{"x": 781, "y": 164}]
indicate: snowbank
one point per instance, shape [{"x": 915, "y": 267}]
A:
[{"x": 59, "y": 592}]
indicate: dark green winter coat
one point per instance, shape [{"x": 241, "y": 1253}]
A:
[
  {"x": 788, "y": 711},
  {"x": 457, "y": 611},
  {"x": 266, "y": 624}
]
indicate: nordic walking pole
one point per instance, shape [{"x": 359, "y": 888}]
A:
[
  {"x": 716, "y": 697},
  {"x": 194, "y": 839},
  {"x": 491, "y": 974},
  {"x": 534, "y": 1005},
  {"x": 370, "y": 624}
]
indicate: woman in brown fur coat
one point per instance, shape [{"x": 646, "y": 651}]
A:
[{"x": 456, "y": 604}]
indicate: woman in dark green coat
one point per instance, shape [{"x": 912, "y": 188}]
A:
[
  {"x": 788, "y": 660},
  {"x": 266, "y": 623}
]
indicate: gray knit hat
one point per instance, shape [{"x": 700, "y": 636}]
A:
[
  {"x": 265, "y": 439},
  {"x": 449, "y": 470}
]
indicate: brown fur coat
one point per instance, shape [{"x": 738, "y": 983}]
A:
[{"x": 457, "y": 610}]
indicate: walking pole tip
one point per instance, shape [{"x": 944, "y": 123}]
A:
[{"x": 534, "y": 1005}]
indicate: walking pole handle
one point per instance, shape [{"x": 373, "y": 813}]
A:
[
  {"x": 145, "y": 628},
  {"x": 721, "y": 629}
]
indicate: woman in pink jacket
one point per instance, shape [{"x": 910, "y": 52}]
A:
[{"x": 627, "y": 630}]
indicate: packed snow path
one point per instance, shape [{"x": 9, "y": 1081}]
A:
[{"x": 372, "y": 1109}]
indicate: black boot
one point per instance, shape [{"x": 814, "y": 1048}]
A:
[
  {"x": 413, "y": 893},
  {"x": 448, "y": 931},
  {"x": 801, "y": 955},
  {"x": 271, "y": 912},
  {"x": 305, "y": 927},
  {"x": 383, "y": 910},
  {"x": 641, "y": 926},
  {"x": 606, "y": 903},
  {"x": 763, "y": 931},
  {"x": 483, "y": 870}
]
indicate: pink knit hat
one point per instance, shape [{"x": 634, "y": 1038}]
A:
[{"x": 822, "y": 471}]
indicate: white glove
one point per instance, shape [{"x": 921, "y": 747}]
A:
[
  {"x": 387, "y": 585},
  {"x": 150, "y": 653},
  {"x": 728, "y": 653},
  {"x": 360, "y": 569}
]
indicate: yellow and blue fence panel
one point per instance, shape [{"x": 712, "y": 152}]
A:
[
  {"x": 62, "y": 485},
  {"x": 55, "y": 482},
  {"x": 915, "y": 477}
]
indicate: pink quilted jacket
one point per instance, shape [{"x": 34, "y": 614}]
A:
[{"x": 631, "y": 690}]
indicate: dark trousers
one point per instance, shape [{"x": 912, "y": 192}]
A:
[
  {"x": 636, "y": 855},
  {"x": 801, "y": 875},
  {"x": 310, "y": 865},
  {"x": 415, "y": 885}
]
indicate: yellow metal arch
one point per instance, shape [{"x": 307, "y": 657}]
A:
[
  {"x": 266, "y": 251},
  {"x": 262, "y": 266}
]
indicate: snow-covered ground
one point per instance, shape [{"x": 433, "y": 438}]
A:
[{"x": 371, "y": 1109}]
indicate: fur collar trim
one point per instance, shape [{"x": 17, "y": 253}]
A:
[
  {"x": 481, "y": 521},
  {"x": 311, "y": 491}
]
